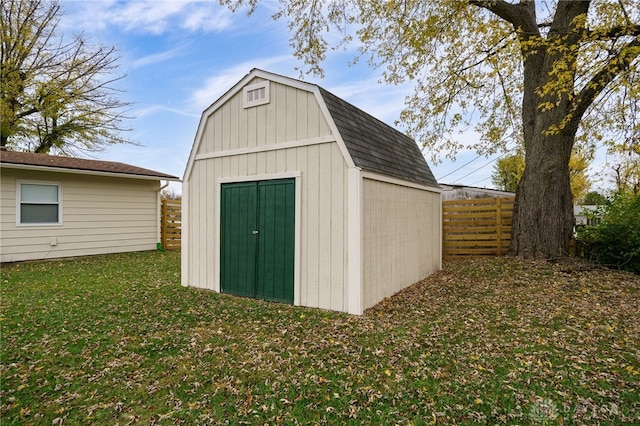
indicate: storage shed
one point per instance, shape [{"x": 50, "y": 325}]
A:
[
  {"x": 292, "y": 194},
  {"x": 52, "y": 206}
]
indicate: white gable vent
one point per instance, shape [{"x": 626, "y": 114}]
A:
[{"x": 255, "y": 94}]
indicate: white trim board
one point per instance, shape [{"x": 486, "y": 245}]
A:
[
  {"x": 397, "y": 181},
  {"x": 266, "y": 148}
]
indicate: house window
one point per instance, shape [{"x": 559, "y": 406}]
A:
[
  {"x": 39, "y": 203},
  {"x": 255, "y": 94}
]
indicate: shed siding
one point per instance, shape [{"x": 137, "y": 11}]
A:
[
  {"x": 323, "y": 213},
  {"x": 100, "y": 215},
  {"x": 291, "y": 115},
  {"x": 400, "y": 238}
]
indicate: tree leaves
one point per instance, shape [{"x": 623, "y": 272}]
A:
[
  {"x": 56, "y": 95},
  {"x": 116, "y": 339}
]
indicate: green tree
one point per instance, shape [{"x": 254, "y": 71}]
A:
[
  {"x": 509, "y": 170},
  {"x": 547, "y": 74},
  {"x": 55, "y": 95},
  {"x": 626, "y": 170},
  {"x": 615, "y": 241},
  {"x": 594, "y": 198}
]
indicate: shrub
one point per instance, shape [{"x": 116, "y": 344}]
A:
[{"x": 615, "y": 241}]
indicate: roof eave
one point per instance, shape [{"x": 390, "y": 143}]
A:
[{"x": 86, "y": 172}]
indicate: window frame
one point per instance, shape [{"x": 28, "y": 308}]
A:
[
  {"x": 256, "y": 86},
  {"x": 19, "y": 202}
]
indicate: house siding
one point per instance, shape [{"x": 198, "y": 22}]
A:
[
  {"x": 292, "y": 115},
  {"x": 100, "y": 215},
  {"x": 400, "y": 237}
]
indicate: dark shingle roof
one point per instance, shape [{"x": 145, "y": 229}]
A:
[
  {"x": 376, "y": 146},
  {"x": 52, "y": 161}
]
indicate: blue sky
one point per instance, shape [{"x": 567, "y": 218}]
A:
[{"x": 179, "y": 56}]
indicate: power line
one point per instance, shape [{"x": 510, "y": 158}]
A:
[
  {"x": 481, "y": 180},
  {"x": 481, "y": 167},
  {"x": 459, "y": 168}
]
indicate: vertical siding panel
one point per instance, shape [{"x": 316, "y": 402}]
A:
[
  {"x": 292, "y": 160},
  {"x": 368, "y": 243},
  {"x": 261, "y": 124},
  {"x": 323, "y": 128},
  {"x": 209, "y": 219},
  {"x": 218, "y": 126},
  {"x": 302, "y": 120},
  {"x": 271, "y": 117},
  {"x": 242, "y": 165},
  {"x": 345, "y": 237},
  {"x": 281, "y": 113},
  {"x": 229, "y": 123},
  {"x": 196, "y": 224},
  {"x": 301, "y": 164},
  {"x": 202, "y": 210},
  {"x": 262, "y": 163},
  {"x": 291, "y": 114},
  {"x": 324, "y": 226},
  {"x": 338, "y": 242},
  {"x": 224, "y": 169},
  {"x": 234, "y": 166},
  {"x": 232, "y": 141},
  {"x": 402, "y": 251},
  {"x": 313, "y": 116},
  {"x": 251, "y": 126},
  {"x": 252, "y": 164},
  {"x": 270, "y": 162},
  {"x": 280, "y": 161}
]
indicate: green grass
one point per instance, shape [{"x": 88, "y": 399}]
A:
[{"x": 117, "y": 340}]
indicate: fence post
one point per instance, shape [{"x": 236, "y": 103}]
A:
[
  {"x": 163, "y": 222},
  {"x": 499, "y": 224}
]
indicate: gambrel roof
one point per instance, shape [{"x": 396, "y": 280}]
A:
[
  {"x": 376, "y": 146},
  {"x": 30, "y": 160},
  {"x": 369, "y": 143}
]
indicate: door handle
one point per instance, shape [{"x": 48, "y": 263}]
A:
[{"x": 255, "y": 232}]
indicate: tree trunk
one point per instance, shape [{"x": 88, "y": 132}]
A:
[
  {"x": 543, "y": 218},
  {"x": 543, "y": 213}
]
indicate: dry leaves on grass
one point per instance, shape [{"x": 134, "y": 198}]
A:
[{"x": 495, "y": 341}]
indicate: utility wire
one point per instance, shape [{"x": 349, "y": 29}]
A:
[
  {"x": 459, "y": 168},
  {"x": 481, "y": 167},
  {"x": 481, "y": 180}
]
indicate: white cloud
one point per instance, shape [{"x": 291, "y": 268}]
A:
[
  {"x": 154, "y": 17},
  {"x": 155, "y": 109},
  {"x": 217, "y": 85},
  {"x": 156, "y": 58}
]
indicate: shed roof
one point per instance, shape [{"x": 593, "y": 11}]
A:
[
  {"x": 376, "y": 146},
  {"x": 19, "y": 159},
  {"x": 372, "y": 144}
]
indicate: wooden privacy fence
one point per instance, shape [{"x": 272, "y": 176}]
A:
[
  {"x": 171, "y": 224},
  {"x": 477, "y": 227}
]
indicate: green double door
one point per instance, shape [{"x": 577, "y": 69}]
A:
[{"x": 257, "y": 239}]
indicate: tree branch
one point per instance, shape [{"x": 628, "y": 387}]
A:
[
  {"x": 615, "y": 66},
  {"x": 521, "y": 15}
]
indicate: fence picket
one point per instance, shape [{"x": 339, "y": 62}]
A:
[
  {"x": 477, "y": 227},
  {"x": 171, "y": 224}
]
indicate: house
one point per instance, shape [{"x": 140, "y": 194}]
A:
[
  {"x": 586, "y": 214},
  {"x": 464, "y": 192},
  {"x": 292, "y": 194},
  {"x": 54, "y": 207}
]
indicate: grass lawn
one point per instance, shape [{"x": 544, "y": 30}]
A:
[{"x": 116, "y": 340}]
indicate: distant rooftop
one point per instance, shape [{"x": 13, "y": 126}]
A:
[{"x": 17, "y": 159}]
